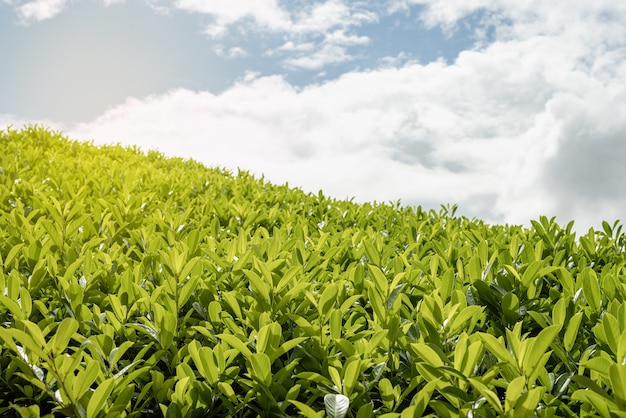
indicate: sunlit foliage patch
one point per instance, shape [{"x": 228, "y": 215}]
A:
[{"x": 137, "y": 285}]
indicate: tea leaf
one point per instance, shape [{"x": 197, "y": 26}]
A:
[
  {"x": 99, "y": 397},
  {"x": 591, "y": 289},
  {"x": 306, "y": 410},
  {"x": 261, "y": 368}
]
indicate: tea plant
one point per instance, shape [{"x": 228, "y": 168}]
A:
[{"x": 132, "y": 284}]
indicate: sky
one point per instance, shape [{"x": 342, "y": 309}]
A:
[{"x": 511, "y": 109}]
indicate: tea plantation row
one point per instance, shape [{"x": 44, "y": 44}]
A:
[{"x": 137, "y": 285}]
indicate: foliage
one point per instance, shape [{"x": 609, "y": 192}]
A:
[{"x": 133, "y": 285}]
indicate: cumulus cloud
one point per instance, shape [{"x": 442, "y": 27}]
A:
[
  {"x": 526, "y": 125},
  {"x": 588, "y": 167},
  {"x": 38, "y": 10},
  {"x": 529, "y": 122},
  {"x": 400, "y": 137}
]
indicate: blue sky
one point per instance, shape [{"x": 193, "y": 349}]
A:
[
  {"x": 133, "y": 49},
  {"x": 511, "y": 109}
]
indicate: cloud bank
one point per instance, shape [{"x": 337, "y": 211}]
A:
[{"x": 529, "y": 122}]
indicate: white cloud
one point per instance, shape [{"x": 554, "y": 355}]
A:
[
  {"x": 38, "y": 10},
  {"x": 266, "y": 13},
  {"x": 527, "y": 125},
  {"x": 315, "y": 17},
  {"x": 328, "y": 15},
  {"x": 340, "y": 136},
  {"x": 399, "y": 60},
  {"x": 328, "y": 54},
  {"x": 339, "y": 37},
  {"x": 237, "y": 52},
  {"x": 530, "y": 122},
  {"x": 290, "y": 46},
  {"x": 231, "y": 53},
  {"x": 318, "y": 33},
  {"x": 333, "y": 49}
]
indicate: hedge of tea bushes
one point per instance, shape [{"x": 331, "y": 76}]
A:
[{"x": 132, "y": 284}]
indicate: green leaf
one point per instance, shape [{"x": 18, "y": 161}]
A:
[
  {"x": 85, "y": 379},
  {"x": 497, "y": 348},
  {"x": 31, "y": 411},
  {"x": 13, "y": 307},
  {"x": 380, "y": 281},
  {"x": 259, "y": 285},
  {"x": 531, "y": 272},
  {"x": 489, "y": 394},
  {"x": 376, "y": 301},
  {"x": 375, "y": 340},
  {"x": 336, "y": 324},
  {"x": 448, "y": 282},
  {"x": 26, "y": 303},
  {"x": 12, "y": 255},
  {"x": 617, "y": 374},
  {"x": 54, "y": 231},
  {"x": 336, "y": 378},
  {"x": 571, "y": 332},
  {"x": 372, "y": 253},
  {"x": 327, "y": 299},
  {"x": 288, "y": 277},
  {"x": 316, "y": 377},
  {"x": 423, "y": 396},
  {"x": 387, "y": 394},
  {"x": 366, "y": 411},
  {"x": 351, "y": 373},
  {"x": 427, "y": 354},
  {"x": 236, "y": 343},
  {"x": 66, "y": 330},
  {"x": 38, "y": 279},
  {"x": 226, "y": 389},
  {"x": 167, "y": 329},
  {"x": 99, "y": 397},
  {"x": 336, "y": 405},
  {"x": 513, "y": 393},
  {"x": 203, "y": 358},
  {"x": 268, "y": 340},
  {"x": 261, "y": 369},
  {"x": 466, "y": 355},
  {"x": 591, "y": 289},
  {"x": 393, "y": 297},
  {"x": 464, "y": 317},
  {"x": 306, "y": 410},
  {"x": 266, "y": 273},
  {"x": 286, "y": 346},
  {"x": 510, "y": 307},
  {"x": 588, "y": 245},
  {"x": 600, "y": 404},
  {"x": 533, "y": 357},
  {"x": 612, "y": 332},
  {"x": 527, "y": 404},
  {"x": 567, "y": 281},
  {"x": 174, "y": 411},
  {"x": 35, "y": 333},
  {"x": 187, "y": 290}
]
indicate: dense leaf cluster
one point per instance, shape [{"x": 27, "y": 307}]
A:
[{"x": 137, "y": 285}]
